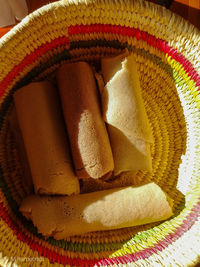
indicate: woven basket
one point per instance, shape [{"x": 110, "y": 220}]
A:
[{"x": 167, "y": 50}]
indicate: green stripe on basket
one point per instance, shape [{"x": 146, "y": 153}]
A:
[
  {"x": 117, "y": 45},
  {"x": 66, "y": 245}
]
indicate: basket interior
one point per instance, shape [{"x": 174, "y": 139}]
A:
[{"x": 166, "y": 116}]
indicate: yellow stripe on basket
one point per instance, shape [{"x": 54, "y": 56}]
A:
[{"x": 184, "y": 78}]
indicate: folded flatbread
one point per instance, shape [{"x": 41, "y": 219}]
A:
[
  {"x": 124, "y": 111},
  {"x": 88, "y": 136},
  {"x": 61, "y": 217},
  {"x": 43, "y": 130}
]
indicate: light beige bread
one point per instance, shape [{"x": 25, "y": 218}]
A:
[
  {"x": 124, "y": 111},
  {"x": 61, "y": 217},
  {"x": 42, "y": 126},
  {"x": 88, "y": 137}
]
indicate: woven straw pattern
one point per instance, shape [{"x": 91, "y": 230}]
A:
[{"x": 167, "y": 50}]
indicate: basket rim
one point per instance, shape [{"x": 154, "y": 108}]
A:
[{"x": 157, "y": 9}]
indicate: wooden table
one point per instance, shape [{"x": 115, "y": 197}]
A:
[{"x": 189, "y": 9}]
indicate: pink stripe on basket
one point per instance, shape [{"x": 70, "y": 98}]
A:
[
  {"x": 158, "y": 43},
  {"x": 42, "y": 251},
  {"x": 117, "y": 29},
  {"x": 169, "y": 239},
  {"x": 29, "y": 59}
]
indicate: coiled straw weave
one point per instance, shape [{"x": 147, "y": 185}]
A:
[{"x": 167, "y": 50}]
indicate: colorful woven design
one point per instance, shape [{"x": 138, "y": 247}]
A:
[{"x": 167, "y": 50}]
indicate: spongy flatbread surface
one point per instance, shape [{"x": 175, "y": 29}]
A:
[
  {"x": 124, "y": 111},
  {"x": 88, "y": 137},
  {"x": 103, "y": 210},
  {"x": 42, "y": 126}
]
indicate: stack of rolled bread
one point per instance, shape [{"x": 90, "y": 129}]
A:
[{"x": 93, "y": 126}]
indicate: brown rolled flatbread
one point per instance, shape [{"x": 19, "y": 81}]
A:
[
  {"x": 124, "y": 111},
  {"x": 62, "y": 217},
  {"x": 88, "y": 137},
  {"x": 18, "y": 139},
  {"x": 42, "y": 126}
]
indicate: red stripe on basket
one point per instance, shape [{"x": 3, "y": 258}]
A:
[
  {"x": 160, "y": 44},
  {"x": 169, "y": 239},
  {"x": 29, "y": 59},
  {"x": 116, "y": 29},
  {"x": 42, "y": 251},
  {"x": 55, "y": 257}
]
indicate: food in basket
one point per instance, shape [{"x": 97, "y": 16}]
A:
[
  {"x": 124, "y": 111},
  {"x": 42, "y": 125},
  {"x": 21, "y": 150},
  {"x": 88, "y": 136},
  {"x": 62, "y": 216},
  {"x": 38, "y": 107}
]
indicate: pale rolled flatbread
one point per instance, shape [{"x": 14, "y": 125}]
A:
[
  {"x": 124, "y": 111},
  {"x": 45, "y": 139},
  {"x": 88, "y": 136},
  {"x": 62, "y": 217}
]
